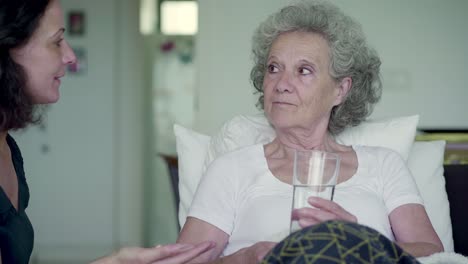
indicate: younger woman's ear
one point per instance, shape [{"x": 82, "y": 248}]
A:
[{"x": 343, "y": 88}]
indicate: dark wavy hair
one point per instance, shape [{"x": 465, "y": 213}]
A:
[
  {"x": 350, "y": 56},
  {"x": 18, "y": 21}
]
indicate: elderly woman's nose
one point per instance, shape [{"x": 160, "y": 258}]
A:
[{"x": 284, "y": 84}]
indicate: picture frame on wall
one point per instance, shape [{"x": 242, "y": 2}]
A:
[{"x": 76, "y": 23}]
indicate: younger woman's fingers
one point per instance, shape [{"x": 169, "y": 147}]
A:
[
  {"x": 149, "y": 255},
  {"x": 187, "y": 254}
]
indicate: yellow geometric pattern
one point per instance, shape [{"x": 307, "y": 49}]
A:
[{"x": 337, "y": 242}]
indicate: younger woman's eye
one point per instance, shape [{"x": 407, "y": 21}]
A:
[{"x": 58, "y": 42}]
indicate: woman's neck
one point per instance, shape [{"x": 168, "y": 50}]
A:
[
  {"x": 290, "y": 139},
  {"x": 284, "y": 146},
  {"x": 304, "y": 141},
  {"x": 305, "y": 138}
]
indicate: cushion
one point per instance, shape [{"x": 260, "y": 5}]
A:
[
  {"x": 243, "y": 130},
  {"x": 426, "y": 164},
  {"x": 196, "y": 151},
  {"x": 191, "y": 149}
]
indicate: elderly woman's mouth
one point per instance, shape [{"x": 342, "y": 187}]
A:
[{"x": 283, "y": 104}]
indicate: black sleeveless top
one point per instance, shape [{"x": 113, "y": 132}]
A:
[{"x": 16, "y": 232}]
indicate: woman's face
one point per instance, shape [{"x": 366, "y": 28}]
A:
[
  {"x": 45, "y": 56},
  {"x": 298, "y": 89}
]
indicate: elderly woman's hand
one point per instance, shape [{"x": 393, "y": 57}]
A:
[{"x": 323, "y": 210}]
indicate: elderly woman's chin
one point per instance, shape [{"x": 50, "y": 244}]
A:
[{"x": 281, "y": 121}]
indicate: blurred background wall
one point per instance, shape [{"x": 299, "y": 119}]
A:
[{"x": 97, "y": 181}]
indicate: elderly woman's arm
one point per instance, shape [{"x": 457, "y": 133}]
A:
[
  {"x": 413, "y": 230},
  {"x": 196, "y": 231}
]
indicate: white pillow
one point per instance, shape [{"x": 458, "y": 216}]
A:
[
  {"x": 196, "y": 151},
  {"x": 191, "y": 152},
  {"x": 395, "y": 133},
  {"x": 426, "y": 164}
]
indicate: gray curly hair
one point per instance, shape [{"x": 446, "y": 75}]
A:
[{"x": 350, "y": 56}]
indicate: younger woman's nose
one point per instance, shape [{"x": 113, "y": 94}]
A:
[{"x": 69, "y": 56}]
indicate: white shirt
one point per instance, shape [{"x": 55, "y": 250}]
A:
[{"x": 239, "y": 195}]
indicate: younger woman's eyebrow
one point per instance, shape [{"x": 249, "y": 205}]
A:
[{"x": 60, "y": 31}]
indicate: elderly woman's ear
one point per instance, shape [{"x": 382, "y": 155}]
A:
[{"x": 342, "y": 90}]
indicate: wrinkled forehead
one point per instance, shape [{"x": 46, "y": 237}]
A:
[{"x": 303, "y": 44}]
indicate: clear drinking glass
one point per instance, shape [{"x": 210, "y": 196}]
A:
[{"x": 315, "y": 173}]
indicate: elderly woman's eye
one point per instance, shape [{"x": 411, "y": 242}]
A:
[
  {"x": 272, "y": 68},
  {"x": 305, "y": 71}
]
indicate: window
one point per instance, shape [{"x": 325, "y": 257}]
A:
[{"x": 179, "y": 17}]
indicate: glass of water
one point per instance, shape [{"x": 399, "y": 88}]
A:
[{"x": 315, "y": 173}]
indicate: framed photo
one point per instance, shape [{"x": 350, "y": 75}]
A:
[{"x": 76, "y": 23}]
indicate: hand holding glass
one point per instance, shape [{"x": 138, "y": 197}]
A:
[{"x": 315, "y": 173}]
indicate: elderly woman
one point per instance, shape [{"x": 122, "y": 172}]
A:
[{"x": 316, "y": 76}]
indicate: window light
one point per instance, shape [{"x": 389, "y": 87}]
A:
[
  {"x": 179, "y": 17},
  {"x": 147, "y": 16}
]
